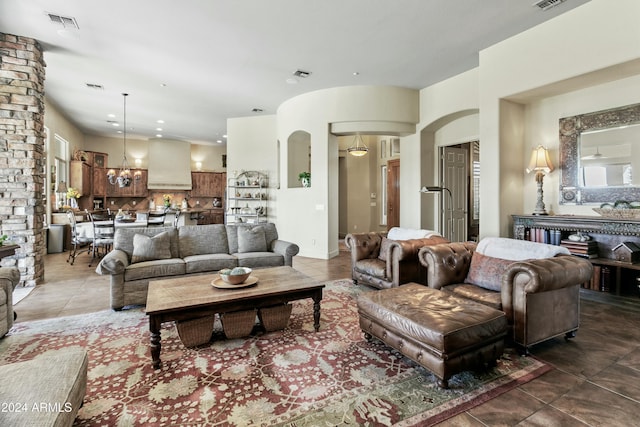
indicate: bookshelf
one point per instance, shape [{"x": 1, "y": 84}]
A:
[{"x": 610, "y": 275}]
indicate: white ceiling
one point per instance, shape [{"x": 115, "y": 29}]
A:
[{"x": 222, "y": 58}]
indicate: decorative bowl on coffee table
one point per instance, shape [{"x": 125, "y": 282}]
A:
[{"x": 235, "y": 276}]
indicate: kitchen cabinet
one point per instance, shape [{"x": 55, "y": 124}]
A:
[
  {"x": 207, "y": 184},
  {"x": 81, "y": 177},
  {"x": 99, "y": 182}
]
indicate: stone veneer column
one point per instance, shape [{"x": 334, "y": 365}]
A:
[{"x": 22, "y": 136}]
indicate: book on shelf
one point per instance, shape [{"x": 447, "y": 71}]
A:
[{"x": 542, "y": 235}]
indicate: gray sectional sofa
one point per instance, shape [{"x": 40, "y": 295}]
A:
[{"x": 143, "y": 254}]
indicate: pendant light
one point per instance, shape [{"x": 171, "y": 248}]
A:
[
  {"x": 358, "y": 148},
  {"x": 124, "y": 176}
]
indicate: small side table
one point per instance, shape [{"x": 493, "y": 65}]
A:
[{"x": 8, "y": 250}]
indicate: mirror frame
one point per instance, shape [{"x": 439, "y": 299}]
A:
[{"x": 570, "y": 130}]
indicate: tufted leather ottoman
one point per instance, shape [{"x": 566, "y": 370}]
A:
[{"x": 444, "y": 333}]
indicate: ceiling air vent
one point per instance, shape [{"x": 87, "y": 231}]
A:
[
  {"x": 65, "y": 21},
  {"x": 547, "y": 4},
  {"x": 94, "y": 86}
]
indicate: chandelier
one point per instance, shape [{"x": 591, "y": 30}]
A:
[
  {"x": 358, "y": 148},
  {"x": 123, "y": 178}
]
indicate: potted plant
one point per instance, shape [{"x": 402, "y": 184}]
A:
[{"x": 305, "y": 178}]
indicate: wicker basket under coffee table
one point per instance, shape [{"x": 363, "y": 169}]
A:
[{"x": 191, "y": 298}]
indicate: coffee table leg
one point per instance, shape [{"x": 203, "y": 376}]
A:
[
  {"x": 154, "y": 328},
  {"x": 316, "y": 311}
]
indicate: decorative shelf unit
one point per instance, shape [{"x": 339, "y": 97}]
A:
[
  {"x": 610, "y": 275},
  {"x": 247, "y": 196}
]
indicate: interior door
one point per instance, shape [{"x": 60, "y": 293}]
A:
[
  {"x": 455, "y": 178},
  {"x": 393, "y": 193}
]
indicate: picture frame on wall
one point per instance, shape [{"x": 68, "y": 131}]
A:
[{"x": 383, "y": 149}]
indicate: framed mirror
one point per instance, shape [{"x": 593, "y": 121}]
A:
[{"x": 599, "y": 153}]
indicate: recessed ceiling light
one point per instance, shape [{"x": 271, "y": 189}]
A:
[
  {"x": 158, "y": 135},
  {"x": 219, "y": 141},
  {"x": 159, "y": 129},
  {"x": 160, "y": 121},
  {"x": 111, "y": 115},
  {"x": 163, "y": 85},
  {"x": 224, "y": 136},
  {"x": 356, "y": 73},
  {"x": 115, "y": 124}
]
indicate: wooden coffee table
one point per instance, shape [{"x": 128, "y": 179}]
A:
[{"x": 191, "y": 297}]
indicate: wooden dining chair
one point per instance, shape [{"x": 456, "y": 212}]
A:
[
  {"x": 78, "y": 241},
  {"x": 155, "y": 218},
  {"x": 103, "y": 222}
]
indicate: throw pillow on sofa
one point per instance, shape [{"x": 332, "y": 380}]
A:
[
  {"x": 486, "y": 271},
  {"x": 251, "y": 239},
  {"x": 147, "y": 248}
]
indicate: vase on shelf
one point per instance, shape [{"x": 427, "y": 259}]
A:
[{"x": 73, "y": 203}]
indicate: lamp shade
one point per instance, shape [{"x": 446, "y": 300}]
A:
[
  {"x": 62, "y": 187},
  {"x": 540, "y": 160}
]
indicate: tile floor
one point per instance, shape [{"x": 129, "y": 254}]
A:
[{"x": 596, "y": 380}]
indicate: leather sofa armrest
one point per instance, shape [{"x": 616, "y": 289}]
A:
[
  {"x": 115, "y": 262},
  {"x": 401, "y": 250},
  {"x": 543, "y": 275},
  {"x": 363, "y": 245},
  {"x": 287, "y": 249},
  {"x": 446, "y": 263}
]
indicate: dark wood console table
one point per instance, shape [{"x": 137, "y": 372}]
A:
[
  {"x": 8, "y": 250},
  {"x": 608, "y": 232}
]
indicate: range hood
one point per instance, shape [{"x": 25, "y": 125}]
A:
[{"x": 169, "y": 165}]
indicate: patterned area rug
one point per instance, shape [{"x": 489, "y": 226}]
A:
[{"x": 296, "y": 377}]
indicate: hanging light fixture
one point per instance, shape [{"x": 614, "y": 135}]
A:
[
  {"x": 358, "y": 148},
  {"x": 124, "y": 176}
]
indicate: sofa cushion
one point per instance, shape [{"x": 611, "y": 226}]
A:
[
  {"x": 486, "y": 271},
  {"x": 384, "y": 248},
  {"x": 209, "y": 262},
  {"x": 202, "y": 239},
  {"x": 55, "y": 377},
  {"x": 251, "y": 239},
  {"x": 259, "y": 259},
  {"x": 372, "y": 267},
  {"x": 156, "y": 268},
  {"x": 484, "y": 296},
  {"x": 270, "y": 234},
  {"x": 123, "y": 238},
  {"x": 146, "y": 248}
]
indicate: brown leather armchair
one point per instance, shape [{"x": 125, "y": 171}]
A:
[
  {"x": 540, "y": 297},
  {"x": 385, "y": 263}
]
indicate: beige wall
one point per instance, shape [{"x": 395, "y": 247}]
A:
[
  {"x": 60, "y": 125},
  {"x": 209, "y": 155},
  {"x": 585, "y": 47},
  {"x": 315, "y": 112},
  {"x": 586, "y": 59}
]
